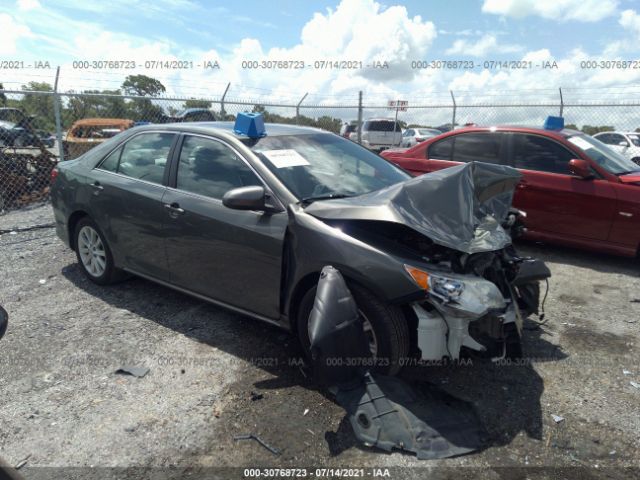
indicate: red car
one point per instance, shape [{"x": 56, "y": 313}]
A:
[{"x": 575, "y": 190}]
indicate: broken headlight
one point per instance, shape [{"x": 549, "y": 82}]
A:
[
  {"x": 466, "y": 295},
  {"x": 444, "y": 287}
]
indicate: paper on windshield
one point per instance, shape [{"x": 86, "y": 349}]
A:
[
  {"x": 285, "y": 158},
  {"x": 581, "y": 142}
]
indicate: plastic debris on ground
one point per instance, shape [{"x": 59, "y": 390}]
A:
[{"x": 131, "y": 370}]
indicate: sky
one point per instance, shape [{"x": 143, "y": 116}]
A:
[{"x": 566, "y": 32}]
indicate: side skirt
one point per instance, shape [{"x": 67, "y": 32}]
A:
[{"x": 282, "y": 323}]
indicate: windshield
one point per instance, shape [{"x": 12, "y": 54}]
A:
[
  {"x": 428, "y": 132},
  {"x": 611, "y": 161},
  {"x": 325, "y": 165},
  {"x": 635, "y": 139}
]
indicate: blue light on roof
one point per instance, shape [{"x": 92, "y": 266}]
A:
[
  {"x": 250, "y": 124},
  {"x": 554, "y": 123}
]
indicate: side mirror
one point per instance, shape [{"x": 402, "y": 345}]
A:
[
  {"x": 580, "y": 168},
  {"x": 623, "y": 144},
  {"x": 4, "y": 320},
  {"x": 246, "y": 198}
]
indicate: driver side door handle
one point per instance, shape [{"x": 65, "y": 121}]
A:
[{"x": 174, "y": 209}]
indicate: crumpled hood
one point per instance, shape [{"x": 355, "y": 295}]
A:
[{"x": 459, "y": 207}]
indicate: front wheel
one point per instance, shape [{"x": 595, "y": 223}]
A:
[
  {"x": 385, "y": 327},
  {"x": 94, "y": 254}
]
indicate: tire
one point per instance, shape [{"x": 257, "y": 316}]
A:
[
  {"x": 636, "y": 160},
  {"x": 389, "y": 325},
  {"x": 105, "y": 275}
]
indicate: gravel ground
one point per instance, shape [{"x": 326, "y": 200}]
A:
[{"x": 214, "y": 374}]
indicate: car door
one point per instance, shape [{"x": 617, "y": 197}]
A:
[
  {"x": 555, "y": 201},
  {"x": 126, "y": 202},
  {"x": 231, "y": 256}
]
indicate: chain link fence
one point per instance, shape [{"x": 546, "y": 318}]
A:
[{"x": 40, "y": 128}]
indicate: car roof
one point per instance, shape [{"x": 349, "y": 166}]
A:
[
  {"x": 619, "y": 132},
  {"x": 564, "y": 133},
  {"x": 103, "y": 121},
  {"x": 273, "y": 129}
]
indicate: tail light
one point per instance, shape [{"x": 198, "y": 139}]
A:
[{"x": 54, "y": 174}]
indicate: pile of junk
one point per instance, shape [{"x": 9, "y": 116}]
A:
[{"x": 26, "y": 160}]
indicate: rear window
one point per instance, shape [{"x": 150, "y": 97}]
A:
[{"x": 382, "y": 126}]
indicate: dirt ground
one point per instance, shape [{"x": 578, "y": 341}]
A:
[{"x": 214, "y": 374}]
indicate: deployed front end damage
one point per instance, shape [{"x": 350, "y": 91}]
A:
[{"x": 444, "y": 231}]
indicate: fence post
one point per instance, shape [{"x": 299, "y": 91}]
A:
[
  {"x": 360, "y": 117},
  {"x": 455, "y": 107},
  {"x": 561, "y": 101},
  {"x": 298, "y": 108},
  {"x": 56, "y": 113},
  {"x": 223, "y": 113}
]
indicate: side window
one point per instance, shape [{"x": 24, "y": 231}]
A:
[
  {"x": 145, "y": 156},
  {"x": 533, "y": 152},
  {"x": 110, "y": 164},
  {"x": 441, "y": 150},
  {"x": 480, "y": 147},
  {"x": 616, "y": 139},
  {"x": 208, "y": 167},
  {"x": 605, "y": 138}
]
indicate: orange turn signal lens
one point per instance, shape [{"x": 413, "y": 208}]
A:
[{"x": 420, "y": 277}]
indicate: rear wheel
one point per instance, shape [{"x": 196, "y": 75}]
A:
[
  {"x": 385, "y": 326},
  {"x": 636, "y": 160},
  {"x": 94, "y": 254}
]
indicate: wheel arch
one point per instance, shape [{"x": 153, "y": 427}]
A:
[
  {"x": 74, "y": 218},
  {"x": 310, "y": 280}
]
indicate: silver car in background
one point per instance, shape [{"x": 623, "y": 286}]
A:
[{"x": 413, "y": 136}]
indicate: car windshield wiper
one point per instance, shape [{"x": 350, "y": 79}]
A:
[
  {"x": 330, "y": 196},
  {"x": 628, "y": 172}
]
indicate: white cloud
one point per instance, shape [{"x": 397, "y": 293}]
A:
[
  {"x": 486, "y": 44},
  {"x": 630, "y": 20},
  {"x": 26, "y": 5},
  {"x": 561, "y": 10},
  {"x": 12, "y": 31}
]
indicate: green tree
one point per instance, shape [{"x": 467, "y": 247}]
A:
[
  {"x": 195, "y": 103},
  {"x": 3, "y": 97},
  {"x": 143, "y": 108},
  {"x": 591, "y": 130},
  {"x": 38, "y": 105},
  {"x": 142, "y": 86}
]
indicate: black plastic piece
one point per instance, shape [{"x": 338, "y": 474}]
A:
[
  {"x": 386, "y": 413},
  {"x": 339, "y": 347},
  {"x": 531, "y": 270}
]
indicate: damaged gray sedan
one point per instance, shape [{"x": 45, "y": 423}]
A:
[{"x": 247, "y": 217}]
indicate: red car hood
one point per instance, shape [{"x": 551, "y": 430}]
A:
[{"x": 630, "y": 178}]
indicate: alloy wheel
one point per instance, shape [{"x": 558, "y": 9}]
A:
[{"x": 92, "y": 252}]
